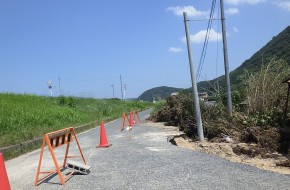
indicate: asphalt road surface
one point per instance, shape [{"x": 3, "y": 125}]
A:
[{"x": 142, "y": 159}]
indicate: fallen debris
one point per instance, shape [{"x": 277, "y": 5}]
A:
[{"x": 247, "y": 153}]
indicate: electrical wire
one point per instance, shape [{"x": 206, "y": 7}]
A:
[{"x": 203, "y": 54}]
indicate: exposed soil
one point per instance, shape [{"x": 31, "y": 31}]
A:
[
  {"x": 227, "y": 151},
  {"x": 230, "y": 149}
]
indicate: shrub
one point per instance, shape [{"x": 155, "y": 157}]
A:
[{"x": 66, "y": 101}]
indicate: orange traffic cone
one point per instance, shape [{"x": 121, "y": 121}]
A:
[
  {"x": 4, "y": 182},
  {"x": 103, "y": 137},
  {"x": 132, "y": 123},
  {"x": 137, "y": 116}
]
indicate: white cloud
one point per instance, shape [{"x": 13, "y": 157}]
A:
[
  {"x": 232, "y": 11},
  {"x": 199, "y": 36},
  {"x": 283, "y": 4},
  {"x": 191, "y": 11},
  {"x": 237, "y": 2},
  {"x": 235, "y": 29},
  {"x": 175, "y": 50}
]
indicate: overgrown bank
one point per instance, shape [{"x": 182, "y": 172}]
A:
[{"x": 26, "y": 117}]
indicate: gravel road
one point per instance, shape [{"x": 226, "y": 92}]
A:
[{"x": 143, "y": 159}]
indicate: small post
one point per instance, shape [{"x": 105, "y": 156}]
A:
[
  {"x": 49, "y": 87},
  {"x": 193, "y": 81}
]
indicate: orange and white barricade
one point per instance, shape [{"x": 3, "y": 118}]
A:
[{"x": 54, "y": 140}]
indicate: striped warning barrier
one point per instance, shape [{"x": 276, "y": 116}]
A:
[{"x": 54, "y": 140}]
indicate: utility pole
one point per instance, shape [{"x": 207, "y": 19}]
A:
[
  {"x": 193, "y": 81},
  {"x": 59, "y": 85},
  {"x": 125, "y": 88},
  {"x": 229, "y": 96},
  {"x": 121, "y": 87},
  {"x": 113, "y": 90}
]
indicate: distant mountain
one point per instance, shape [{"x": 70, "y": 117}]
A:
[
  {"x": 278, "y": 47},
  {"x": 158, "y": 93}
]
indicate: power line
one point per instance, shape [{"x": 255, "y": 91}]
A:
[{"x": 203, "y": 54}]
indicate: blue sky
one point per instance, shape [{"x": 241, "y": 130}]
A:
[{"x": 88, "y": 44}]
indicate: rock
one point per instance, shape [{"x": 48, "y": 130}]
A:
[
  {"x": 228, "y": 139},
  {"x": 203, "y": 145},
  {"x": 285, "y": 163},
  {"x": 227, "y": 149},
  {"x": 246, "y": 149}
]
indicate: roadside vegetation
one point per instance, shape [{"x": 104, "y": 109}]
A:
[
  {"x": 26, "y": 117},
  {"x": 158, "y": 106},
  {"x": 259, "y": 120}
]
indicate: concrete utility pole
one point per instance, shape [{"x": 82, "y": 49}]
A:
[
  {"x": 121, "y": 87},
  {"x": 59, "y": 85},
  {"x": 193, "y": 81},
  {"x": 124, "y": 90},
  {"x": 229, "y": 95},
  {"x": 113, "y": 90}
]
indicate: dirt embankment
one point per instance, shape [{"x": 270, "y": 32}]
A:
[
  {"x": 230, "y": 149},
  {"x": 239, "y": 152}
]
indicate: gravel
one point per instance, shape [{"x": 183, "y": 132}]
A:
[{"x": 143, "y": 159}]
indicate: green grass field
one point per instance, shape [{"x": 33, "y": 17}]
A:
[{"x": 26, "y": 117}]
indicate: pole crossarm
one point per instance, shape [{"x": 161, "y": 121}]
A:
[{"x": 206, "y": 19}]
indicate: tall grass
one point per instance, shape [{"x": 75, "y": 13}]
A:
[
  {"x": 266, "y": 93},
  {"x": 265, "y": 89},
  {"x": 25, "y": 117}
]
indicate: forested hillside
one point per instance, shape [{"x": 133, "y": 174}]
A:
[
  {"x": 158, "y": 93},
  {"x": 278, "y": 48}
]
